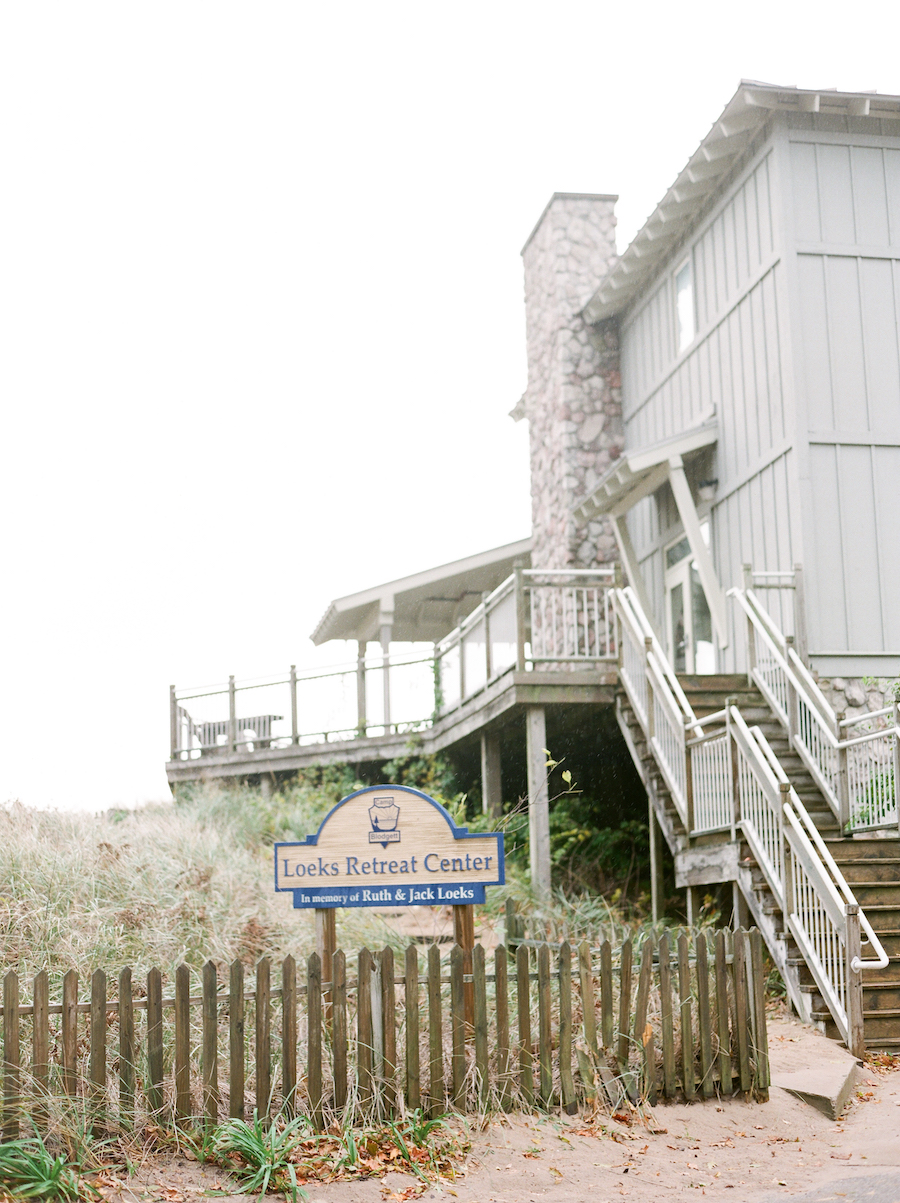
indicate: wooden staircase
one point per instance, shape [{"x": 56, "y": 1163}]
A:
[{"x": 871, "y": 865}]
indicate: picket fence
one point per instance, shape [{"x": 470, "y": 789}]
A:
[{"x": 665, "y": 1020}]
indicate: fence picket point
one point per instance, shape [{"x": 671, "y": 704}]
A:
[
  {"x": 314, "y": 1038},
  {"x": 289, "y": 1035},
  {"x": 40, "y": 1045},
  {"x": 523, "y": 999},
  {"x": 210, "y": 1053},
  {"x": 154, "y": 1042},
  {"x": 11, "y": 1056},
  {"x": 183, "y": 1104},
  {"x": 436, "y": 1089},
  {"x": 236, "y": 1022},
  {"x": 413, "y": 1092},
  {"x": 263, "y": 1039},
  {"x": 339, "y": 1026}
]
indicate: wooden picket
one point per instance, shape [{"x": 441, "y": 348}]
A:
[{"x": 655, "y": 1021}]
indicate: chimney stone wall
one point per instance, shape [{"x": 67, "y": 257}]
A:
[{"x": 573, "y": 399}]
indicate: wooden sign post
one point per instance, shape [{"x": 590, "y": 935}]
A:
[{"x": 391, "y": 846}]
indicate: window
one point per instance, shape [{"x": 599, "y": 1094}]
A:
[{"x": 684, "y": 305}]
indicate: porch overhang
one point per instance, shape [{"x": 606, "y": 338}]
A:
[
  {"x": 637, "y": 474},
  {"x": 425, "y": 606}
]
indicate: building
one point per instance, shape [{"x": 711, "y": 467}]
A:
[{"x": 716, "y": 415}]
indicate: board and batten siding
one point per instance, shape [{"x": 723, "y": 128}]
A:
[
  {"x": 846, "y": 218},
  {"x": 735, "y": 365}
]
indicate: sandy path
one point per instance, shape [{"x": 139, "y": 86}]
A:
[{"x": 733, "y": 1151}]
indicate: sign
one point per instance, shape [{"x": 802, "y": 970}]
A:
[{"x": 389, "y": 846}]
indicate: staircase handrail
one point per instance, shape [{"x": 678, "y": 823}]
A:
[
  {"x": 672, "y": 684},
  {"x": 840, "y": 882}
]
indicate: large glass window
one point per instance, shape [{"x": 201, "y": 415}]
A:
[{"x": 684, "y": 305}]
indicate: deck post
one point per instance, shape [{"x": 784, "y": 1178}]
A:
[
  {"x": 173, "y": 722},
  {"x": 690, "y": 895},
  {"x": 232, "y": 717},
  {"x": 361, "y": 687},
  {"x": 751, "y": 634},
  {"x": 656, "y": 884},
  {"x": 520, "y": 621},
  {"x": 491, "y": 783},
  {"x": 294, "y": 731},
  {"x": 856, "y": 1040},
  {"x": 538, "y": 800},
  {"x": 387, "y": 625},
  {"x": 843, "y": 774}
]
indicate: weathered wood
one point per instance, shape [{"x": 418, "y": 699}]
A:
[
  {"x": 236, "y": 1058},
  {"x": 566, "y": 1081},
  {"x": 314, "y": 1038},
  {"x": 263, "y": 1038},
  {"x": 436, "y": 1089},
  {"x": 501, "y": 1006},
  {"x": 457, "y": 1029},
  {"x": 12, "y": 1068},
  {"x": 326, "y": 943},
  {"x": 209, "y": 1016},
  {"x": 586, "y": 981},
  {"x": 741, "y": 1010},
  {"x": 482, "y": 1059},
  {"x": 40, "y": 1047},
  {"x": 760, "y": 1028},
  {"x": 289, "y": 1035},
  {"x": 97, "y": 1057},
  {"x": 69, "y": 1031},
  {"x": 339, "y": 1027},
  {"x": 687, "y": 1026},
  {"x": 464, "y": 935},
  {"x": 704, "y": 1020},
  {"x": 625, "y": 958},
  {"x": 127, "y": 1075},
  {"x": 545, "y": 1038},
  {"x": 607, "y": 1012},
  {"x": 389, "y": 1031},
  {"x": 665, "y": 1011},
  {"x": 154, "y": 1042},
  {"x": 725, "y": 1082},
  {"x": 183, "y": 1105},
  {"x": 643, "y": 1030},
  {"x": 413, "y": 1091},
  {"x": 523, "y": 1000},
  {"x": 365, "y": 1048},
  {"x": 538, "y": 800}
]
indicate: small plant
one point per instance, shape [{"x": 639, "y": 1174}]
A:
[
  {"x": 28, "y": 1170},
  {"x": 258, "y": 1154}
]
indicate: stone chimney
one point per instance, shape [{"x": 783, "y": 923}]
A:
[{"x": 573, "y": 399}]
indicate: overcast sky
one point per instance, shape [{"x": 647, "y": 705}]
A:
[{"x": 262, "y": 317}]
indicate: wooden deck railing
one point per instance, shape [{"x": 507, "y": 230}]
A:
[{"x": 550, "y": 1028}]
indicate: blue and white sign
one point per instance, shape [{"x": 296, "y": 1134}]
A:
[{"x": 389, "y": 846}]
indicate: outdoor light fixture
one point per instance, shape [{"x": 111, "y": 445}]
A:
[{"x": 707, "y": 489}]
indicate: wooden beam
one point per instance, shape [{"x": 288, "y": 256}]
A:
[
  {"x": 706, "y": 569},
  {"x": 491, "y": 783},
  {"x": 538, "y": 800},
  {"x": 632, "y": 567}
]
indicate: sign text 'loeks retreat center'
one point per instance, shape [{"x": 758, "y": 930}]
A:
[{"x": 389, "y": 845}]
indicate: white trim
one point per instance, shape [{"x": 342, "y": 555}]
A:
[{"x": 690, "y": 520}]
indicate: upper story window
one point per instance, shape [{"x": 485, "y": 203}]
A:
[{"x": 684, "y": 305}]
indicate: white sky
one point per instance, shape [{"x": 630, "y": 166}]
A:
[{"x": 262, "y": 315}]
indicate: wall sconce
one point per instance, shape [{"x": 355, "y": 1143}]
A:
[{"x": 707, "y": 489}]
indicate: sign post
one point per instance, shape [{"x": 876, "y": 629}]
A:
[{"x": 391, "y": 846}]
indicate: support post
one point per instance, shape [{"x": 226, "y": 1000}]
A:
[
  {"x": 740, "y": 917},
  {"x": 800, "y": 636},
  {"x": 295, "y": 734},
  {"x": 232, "y": 717},
  {"x": 326, "y": 945},
  {"x": 173, "y": 723},
  {"x": 538, "y": 800},
  {"x": 464, "y": 935},
  {"x": 386, "y": 631},
  {"x": 656, "y": 884},
  {"x": 856, "y": 1041},
  {"x": 751, "y": 633},
  {"x": 787, "y": 875},
  {"x": 521, "y": 621},
  {"x": 693, "y": 910},
  {"x": 843, "y": 774},
  {"x": 491, "y": 784},
  {"x": 361, "y": 688}
]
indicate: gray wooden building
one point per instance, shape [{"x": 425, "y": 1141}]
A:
[{"x": 714, "y": 558}]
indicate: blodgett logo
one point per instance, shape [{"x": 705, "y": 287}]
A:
[{"x": 384, "y": 814}]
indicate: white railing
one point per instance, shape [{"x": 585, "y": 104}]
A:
[
  {"x": 536, "y": 619},
  {"x": 857, "y": 775},
  {"x": 729, "y": 778}
]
